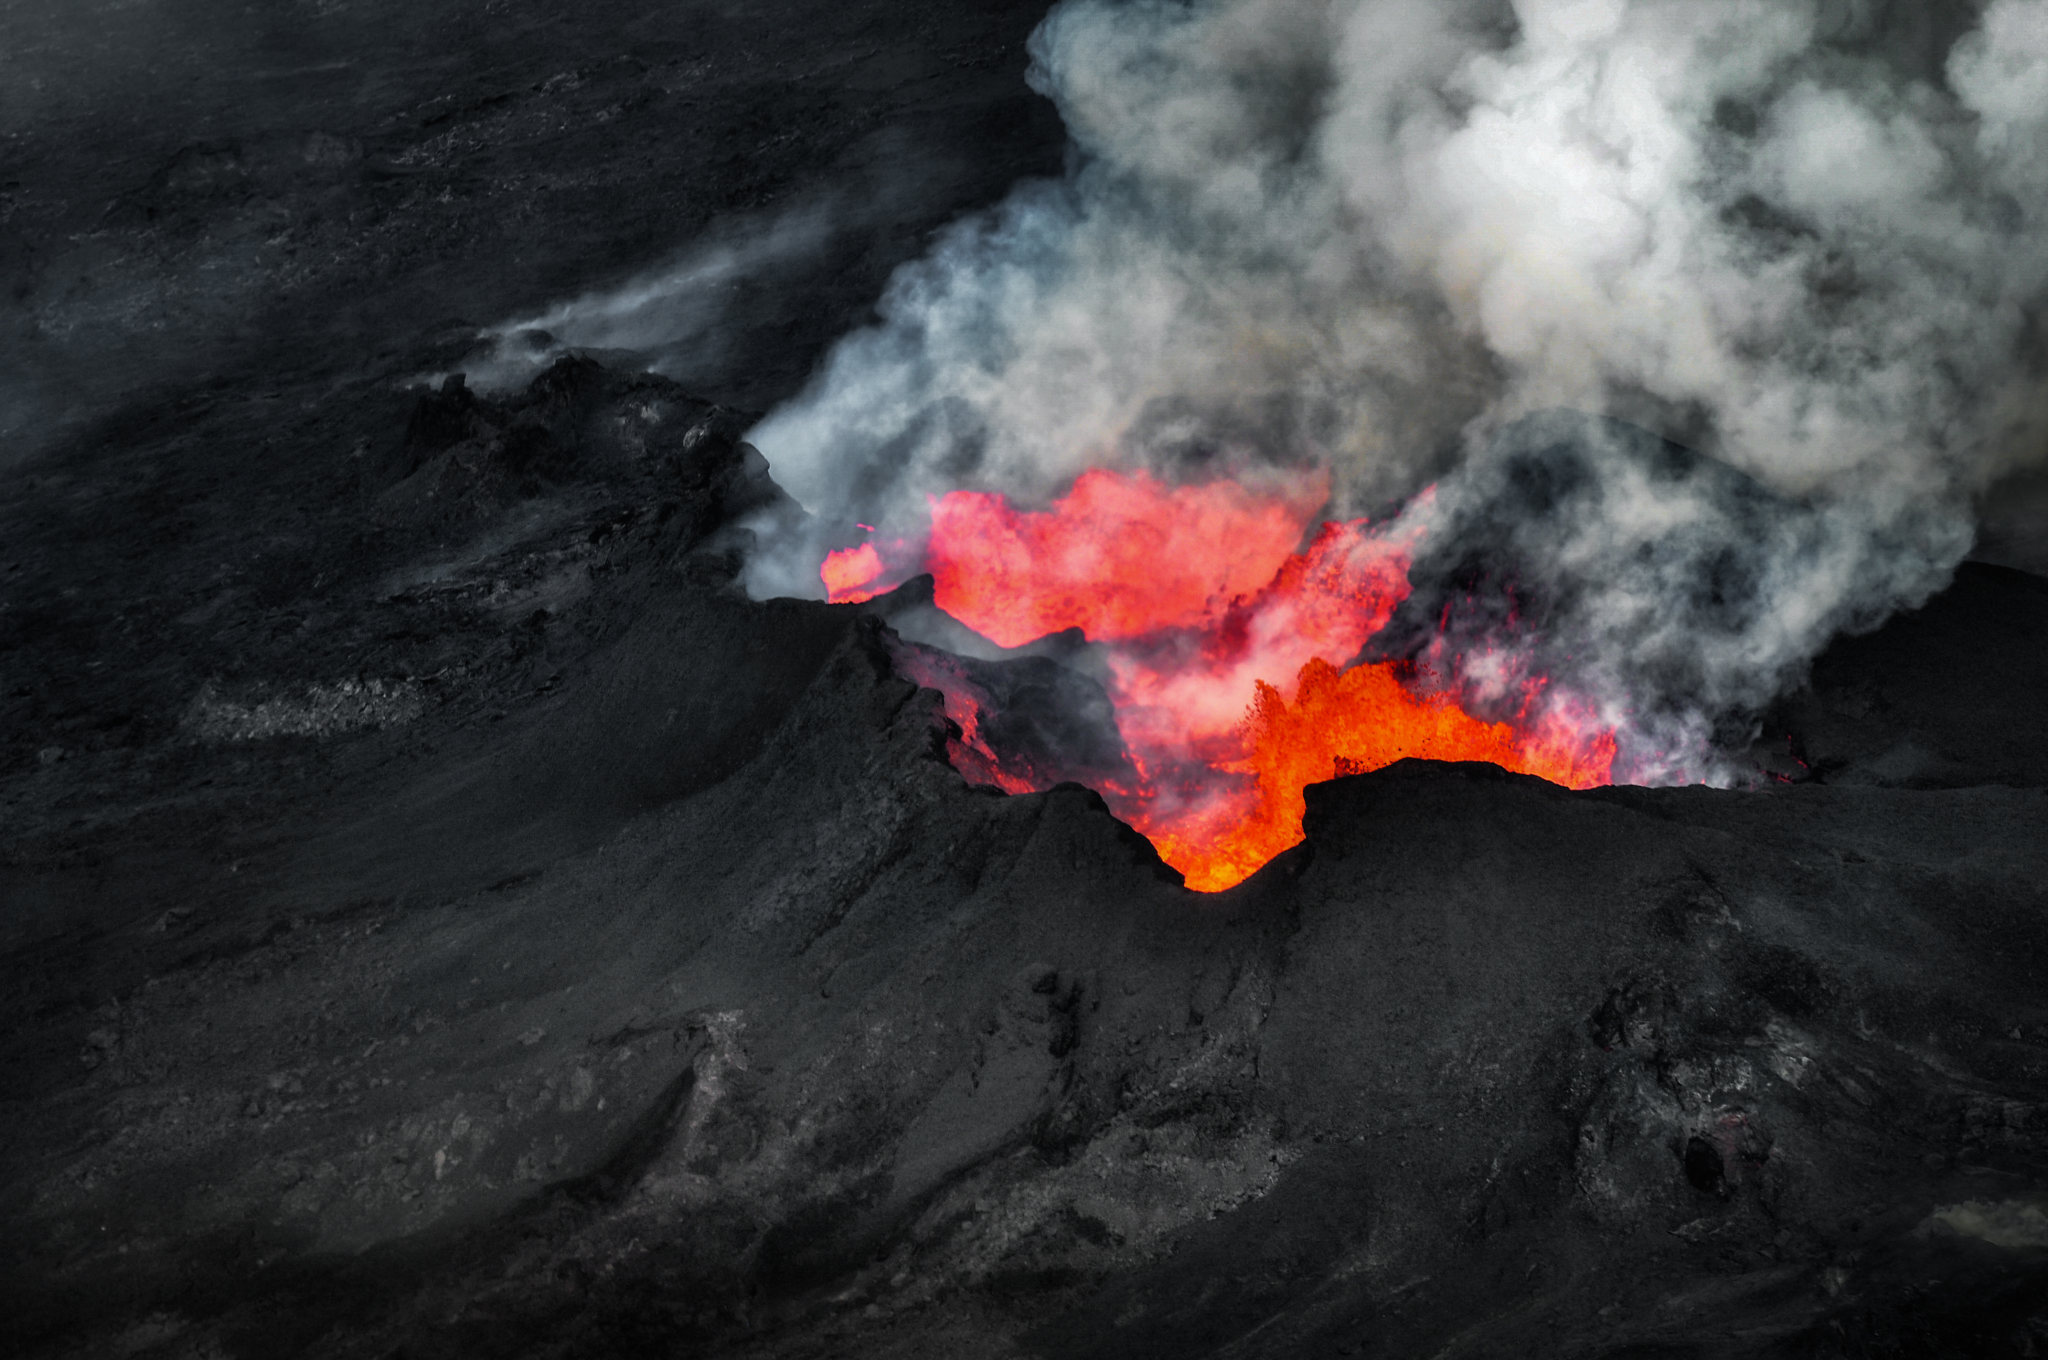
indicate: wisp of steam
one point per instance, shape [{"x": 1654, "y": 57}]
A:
[
  {"x": 1808, "y": 238},
  {"x": 666, "y": 313}
]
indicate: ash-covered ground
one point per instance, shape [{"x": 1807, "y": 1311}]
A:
[{"x": 444, "y": 915}]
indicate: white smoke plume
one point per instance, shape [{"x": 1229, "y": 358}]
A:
[
  {"x": 1808, "y": 237},
  {"x": 663, "y": 317}
]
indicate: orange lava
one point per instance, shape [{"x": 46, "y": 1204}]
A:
[
  {"x": 1350, "y": 722},
  {"x": 1204, "y": 609},
  {"x": 849, "y": 572}
]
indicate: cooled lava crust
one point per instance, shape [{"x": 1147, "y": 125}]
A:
[{"x": 444, "y": 916}]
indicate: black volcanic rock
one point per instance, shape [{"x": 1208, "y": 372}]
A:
[
  {"x": 1926, "y": 700},
  {"x": 209, "y": 194},
  {"x": 441, "y": 914},
  {"x": 465, "y": 456},
  {"x": 647, "y": 980}
]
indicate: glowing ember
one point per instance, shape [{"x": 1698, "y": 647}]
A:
[{"x": 1203, "y": 606}]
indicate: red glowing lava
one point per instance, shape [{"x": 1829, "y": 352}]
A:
[
  {"x": 1118, "y": 556},
  {"x": 1206, "y": 612},
  {"x": 848, "y": 570}
]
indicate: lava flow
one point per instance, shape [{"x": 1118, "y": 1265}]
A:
[{"x": 1205, "y": 610}]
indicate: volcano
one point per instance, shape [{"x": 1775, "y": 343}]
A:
[
  {"x": 558, "y": 986},
  {"x": 1199, "y": 596},
  {"x": 1170, "y": 911}
]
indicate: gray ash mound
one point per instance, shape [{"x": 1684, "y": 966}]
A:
[{"x": 645, "y": 981}]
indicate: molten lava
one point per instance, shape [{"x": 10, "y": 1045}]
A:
[
  {"x": 1349, "y": 722},
  {"x": 1119, "y": 556},
  {"x": 1206, "y": 610},
  {"x": 847, "y": 571}
]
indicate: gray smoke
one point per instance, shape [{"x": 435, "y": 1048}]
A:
[{"x": 1809, "y": 239}]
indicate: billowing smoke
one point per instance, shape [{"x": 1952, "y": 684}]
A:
[{"x": 1395, "y": 238}]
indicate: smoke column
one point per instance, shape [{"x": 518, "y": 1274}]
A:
[{"x": 1808, "y": 239}]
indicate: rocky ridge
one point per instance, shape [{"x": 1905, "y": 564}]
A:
[{"x": 510, "y": 939}]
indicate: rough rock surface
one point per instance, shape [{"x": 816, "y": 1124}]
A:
[
  {"x": 584, "y": 959},
  {"x": 202, "y": 200},
  {"x": 441, "y": 915}
]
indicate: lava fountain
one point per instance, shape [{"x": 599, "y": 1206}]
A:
[{"x": 1233, "y": 634}]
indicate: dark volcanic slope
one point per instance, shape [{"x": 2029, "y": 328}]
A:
[
  {"x": 439, "y": 914},
  {"x": 201, "y": 192},
  {"x": 509, "y": 940}
]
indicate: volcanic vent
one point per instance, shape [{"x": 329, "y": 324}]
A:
[
  {"x": 1314, "y": 260},
  {"x": 1233, "y": 631}
]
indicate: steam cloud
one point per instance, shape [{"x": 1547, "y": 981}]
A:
[{"x": 1809, "y": 238}]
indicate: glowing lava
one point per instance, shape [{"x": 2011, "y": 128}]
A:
[
  {"x": 1205, "y": 610},
  {"x": 849, "y": 570},
  {"x": 1349, "y": 722},
  {"x": 1119, "y": 556}
]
